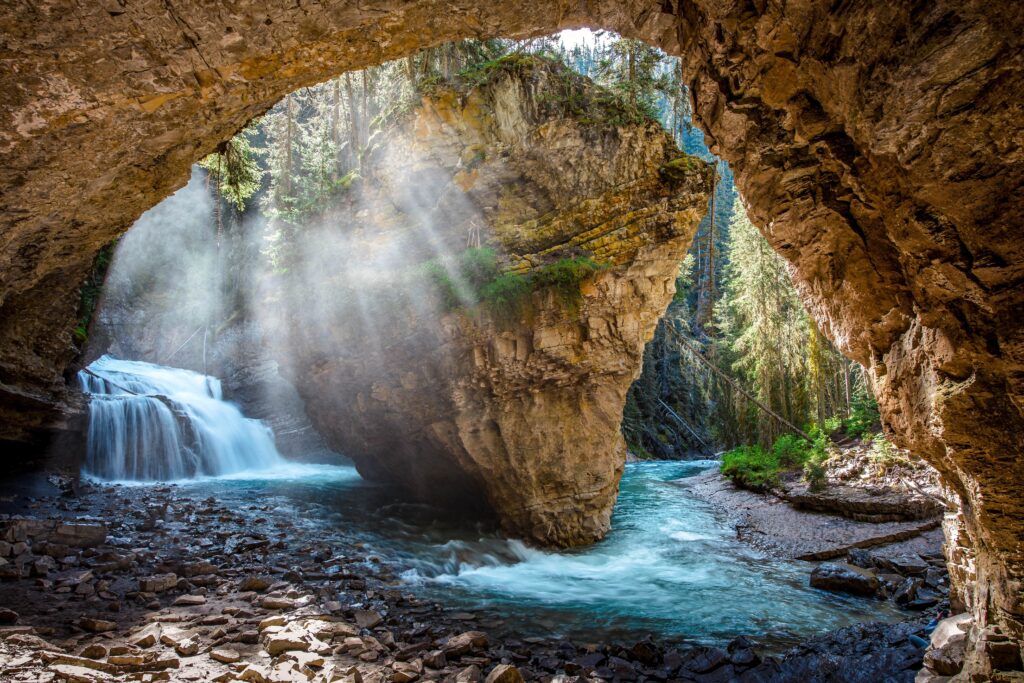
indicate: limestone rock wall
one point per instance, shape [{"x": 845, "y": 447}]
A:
[
  {"x": 514, "y": 411},
  {"x": 877, "y": 144},
  {"x": 878, "y": 147}
]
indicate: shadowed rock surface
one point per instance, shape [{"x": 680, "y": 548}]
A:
[{"x": 876, "y": 144}]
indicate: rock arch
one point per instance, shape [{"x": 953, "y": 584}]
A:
[{"x": 878, "y": 145}]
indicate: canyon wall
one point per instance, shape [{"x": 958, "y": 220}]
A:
[
  {"x": 511, "y": 401},
  {"x": 877, "y": 144}
]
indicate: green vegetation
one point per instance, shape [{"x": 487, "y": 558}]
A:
[
  {"x": 864, "y": 418},
  {"x": 89, "y": 295},
  {"x": 474, "y": 278},
  {"x": 235, "y": 169},
  {"x": 740, "y": 338},
  {"x": 755, "y": 467},
  {"x": 681, "y": 167},
  {"x": 565, "y": 277},
  {"x": 506, "y": 296},
  {"x": 885, "y": 454}
]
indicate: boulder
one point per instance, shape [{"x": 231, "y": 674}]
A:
[
  {"x": 947, "y": 660},
  {"x": 186, "y": 647},
  {"x": 277, "y": 602},
  {"x": 97, "y": 625},
  {"x": 470, "y": 674},
  {"x": 158, "y": 583},
  {"x": 504, "y": 673},
  {"x": 225, "y": 655},
  {"x": 254, "y": 583},
  {"x": 190, "y": 601},
  {"x": 368, "y": 618},
  {"x": 840, "y": 577},
  {"x": 146, "y": 637},
  {"x": 464, "y": 642},
  {"x": 907, "y": 591},
  {"x": 289, "y": 638},
  {"x": 907, "y": 564},
  {"x": 80, "y": 535}
]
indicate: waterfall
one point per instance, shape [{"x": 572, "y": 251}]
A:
[{"x": 153, "y": 423}]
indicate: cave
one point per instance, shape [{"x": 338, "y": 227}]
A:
[{"x": 877, "y": 145}]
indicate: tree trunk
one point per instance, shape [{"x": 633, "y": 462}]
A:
[
  {"x": 288, "y": 142},
  {"x": 353, "y": 123},
  {"x": 336, "y": 126}
]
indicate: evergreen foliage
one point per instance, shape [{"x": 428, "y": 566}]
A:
[
  {"x": 475, "y": 278},
  {"x": 735, "y": 305},
  {"x": 89, "y": 294},
  {"x": 236, "y": 170}
]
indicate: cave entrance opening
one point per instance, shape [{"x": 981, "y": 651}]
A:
[{"x": 904, "y": 238}]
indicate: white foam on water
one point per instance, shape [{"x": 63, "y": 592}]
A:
[{"x": 150, "y": 423}]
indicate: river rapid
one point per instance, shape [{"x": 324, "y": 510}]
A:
[{"x": 671, "y": 566}]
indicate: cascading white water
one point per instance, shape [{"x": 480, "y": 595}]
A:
[{"x": 154, "y": 423}]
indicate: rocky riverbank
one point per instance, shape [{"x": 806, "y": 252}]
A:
[
  {"x": 885, "y": 543},
  {"x": 150, "y": 583}
]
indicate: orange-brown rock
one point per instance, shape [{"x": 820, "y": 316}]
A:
[
  {"x": 514, "y": 409},
  {"x": 877, "y": 144}
]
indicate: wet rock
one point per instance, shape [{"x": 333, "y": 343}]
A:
[
  {"x": 907, "y": 591},
  {"x": 862, "y": 653},
  {"x": 645, "y": 652},
  {"x": 621, "y": 669},
  {"x": 706, "y": 659},
  {"x": 741, "y": 652},
  {"x": 591, "y": 660},
  {"x": 844, "y": 578},
  {"x": 859, "y": 557},
  {"x": 923, "y": 600},
  {"x": 937, "y": 578},
  {"x": 8, "y": 616},
  {"x": 907, "y": 565},
  {"x": 504, "y": 673}
]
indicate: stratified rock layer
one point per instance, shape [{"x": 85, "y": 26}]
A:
[
  {"x": 876, "y": 143},
  {"x": 516, "y": 410}
]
